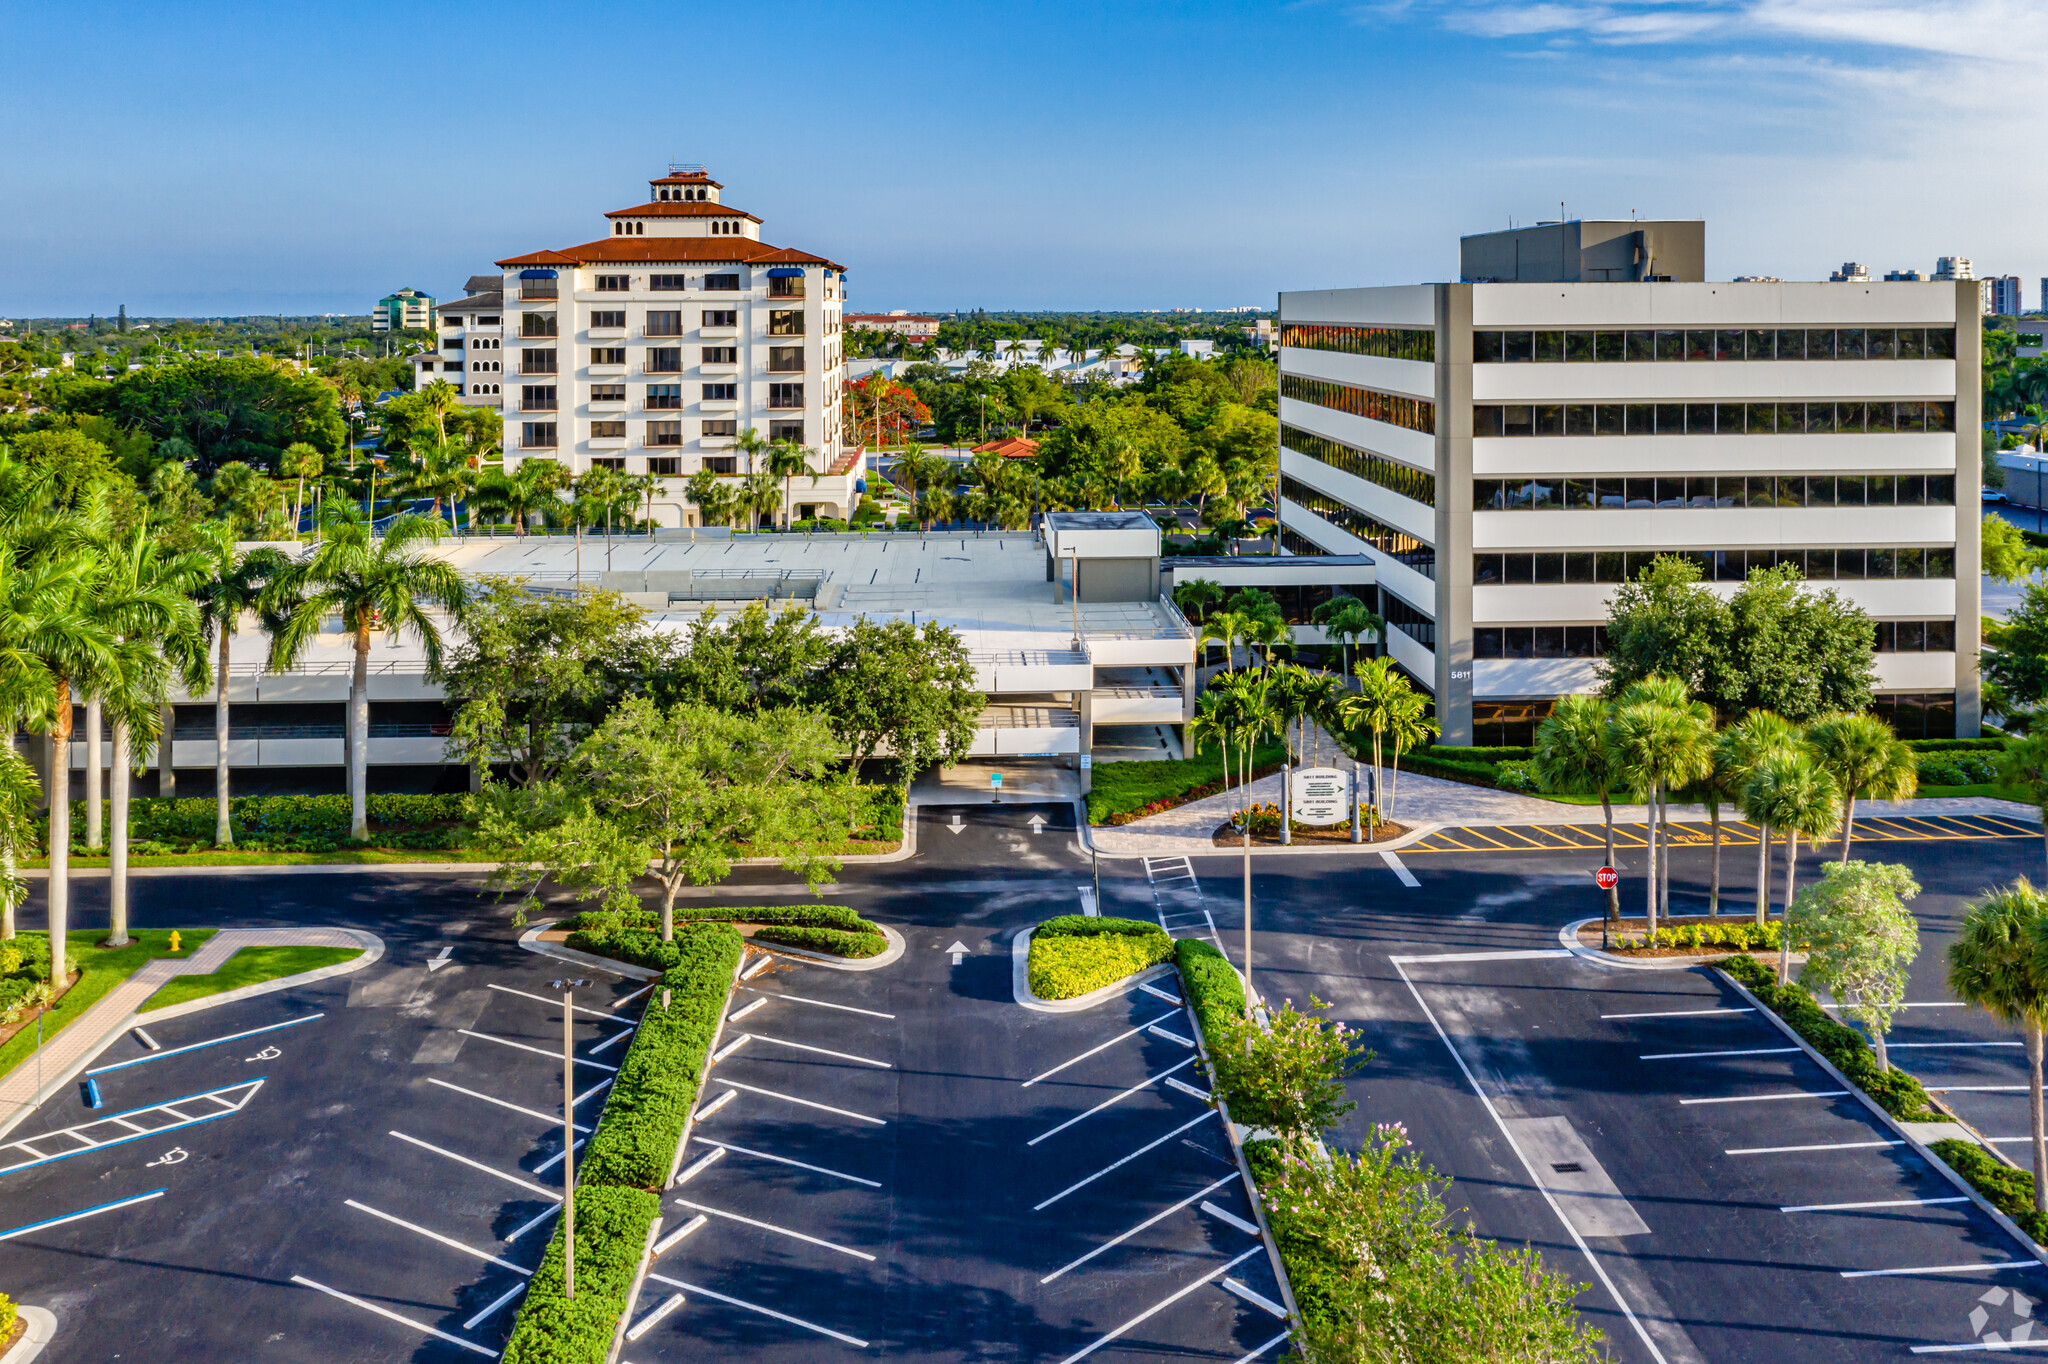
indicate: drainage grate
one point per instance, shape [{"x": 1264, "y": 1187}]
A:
[{"x": 1568, "y": 1167}]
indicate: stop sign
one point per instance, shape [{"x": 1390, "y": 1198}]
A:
[{"x": 1607, "y": 877}]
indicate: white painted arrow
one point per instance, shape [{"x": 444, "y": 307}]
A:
[
  {"x": 1037, "y": 823},
  {"x": 436, "y": 963},
  {"x": 956, "y": 826},
  {"x": 959, "y": 950}
]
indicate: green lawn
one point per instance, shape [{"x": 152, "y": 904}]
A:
[
  {"x": 249, "y": 966},
  {"x": 100, "y": 970}
]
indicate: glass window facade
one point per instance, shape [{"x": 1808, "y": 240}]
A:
[
  {"x": 1391, "y": 343},
  {"x": 1700, "y": 492},
  {"x": 1539, "y": 641},
  {"x": 1410, "y": 621},
  {"x": 1716, "y": 565},
  {"x": 1416, "y": 414},
  {"x": 1918, "y": 715},
  {"x": 1725, "y": 343},
  {"x": 1397, "y": 544},
  {"x": 1417, "y": 485},
  {"x": 1860, "y": 417},
  {"x": 1916, "y": 636}
]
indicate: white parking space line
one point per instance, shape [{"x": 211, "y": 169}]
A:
[
  {"x": 1976, "y": 1346},
  {"x": 1683, "y": 1013},
  {"x": 1161, "y": 1215},
  {"x": 1226, "y": 1215},
  {"x": 1523, "y": 954},
  {"x": 1162, "y": 1305},
  {"x": 389, "y": 1315},
  {"x": 543, "y": 999},
  {"x": 1171, "y": 1036},
  {"x": 1118, "y": 1098},
  {"x": 1120, "y": 1037},
  {"x": 556, "y": 1159},
  {"x": 197, "y": 1046},
  {"x": 1946, "y": 1046},
  {"x": 770, "y": 1226},
  {"x": 785, "y": 1160},
  {"x": 1821, "y": 1146},
  {"x": 1769, "y": 1098},
  {"x": 1254, "y": 1297},
  {"x": 817, "y": 1003},
  {"x": 1884, "y": 1203},
  {"x": 1247, "y": 1359},
  {"x": 537, "y": 1051},
  {"x": 821, "y": 1051},
  {"x": 529, "y": 1112},
  {"x": 807, "y": 1103},
  {"x": 1937, "y": 1269},
  {"x": 79, "y": 1216},
  {"x": 1709, "y": 1055},
  {"x": 448, "y": 1241},
  {"x": 1123, "y": 1161},
  {"x": 613, "y": 1040},
  {"x": 525, "y": 1227},
  {"x": 548, "y": 1194},
  {"x": 514, "y": 1291},
  {"x": 653, "y": 1318},
  {"x": 854, "y": 1341},
  {"x": 1400, "y": 869}
]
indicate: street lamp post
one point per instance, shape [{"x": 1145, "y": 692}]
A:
[{"x": 568, "y": 988}]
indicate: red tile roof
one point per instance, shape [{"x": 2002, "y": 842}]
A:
[
  {"x": 1011, "y": 447},
  {"x": 687, "y": 178},
  {"x": 679, "y": 250},
  {"x": 680, "y": 208}
]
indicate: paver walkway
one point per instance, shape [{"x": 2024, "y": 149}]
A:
[{"x": 84, "y": 1036}]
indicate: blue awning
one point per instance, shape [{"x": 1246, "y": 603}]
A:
[
  {"x": 537, "y": 274},
  {"x": 785, "y": 272}
]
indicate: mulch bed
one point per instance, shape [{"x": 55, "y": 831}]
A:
[
  {"x": 28, "y": 1020},
  {"x": 13, "y": 1337},
  {"x": 1589, "y": 936},
  {"x": 1228, "y": 835}
]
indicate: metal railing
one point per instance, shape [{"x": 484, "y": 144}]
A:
[
  {"x": 388, "y": 668},
  {"x": 1028, "y": 658}
]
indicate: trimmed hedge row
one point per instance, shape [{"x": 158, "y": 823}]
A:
[
  {"x": 1212, "y": 984},
  {"x": 1087, "y": 926},
  {"x": 1898, "y": 1093},
  {"x": 792, "y": 916},
  {"x": 1746, "y": 937},
  {"x": 629, "y": 1156},
  {"x": 295, "y": 823},
  {"x": 1069, "y": 965},
  {"x": 635, "y": 935},
  {"x": 837, "y": 942},
  {"x": 2008, "y": 1190}
]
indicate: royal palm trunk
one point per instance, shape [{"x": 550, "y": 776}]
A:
[
  {"x": 95, "y": 814},
  {"x": 223, "y": 827},
  {"x": 2034, "y": 1113},
  {"x": 359, "y": 739},
  {"x": 117, "y": 841},
  {"x": 60, "y": 834},
  {"x": 1791, "y": 873}
]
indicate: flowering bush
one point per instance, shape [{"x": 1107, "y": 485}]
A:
[{"x": 1287, "y": 1077}]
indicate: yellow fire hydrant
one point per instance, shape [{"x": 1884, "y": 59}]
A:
[{"x": 174, "y": 941}]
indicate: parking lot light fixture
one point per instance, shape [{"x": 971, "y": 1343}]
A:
[{"x": 568, "y": 988}]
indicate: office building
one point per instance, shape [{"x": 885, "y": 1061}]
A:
[
  {"x": 655, "y": 348},
  {"x": 1850, "y": 273},
  {"x": 408, "y": 310},
  {"x": 2005, "y": 296},
  {"x": 1508, "y": 451}
]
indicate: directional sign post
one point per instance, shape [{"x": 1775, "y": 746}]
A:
[{"x": 1606, "y": 878}]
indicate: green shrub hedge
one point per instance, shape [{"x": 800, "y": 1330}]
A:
[
  {"x": 2006, "y": 1189},
  {"x": 1744, "y": 937},
  {"x": 1213, "y": 988},
  {"x": 635, "y": 935},
  {"x": 1088, "y": 926},
  {"x": 611, "y": 1231},
  {"x": 793, "y": 916},
  {"x": 1068, "y": 965},
  {"x": 293, "y": 823},
  {"x": 1898, "y": 1093},
  {"x": 836, "y": 942}
]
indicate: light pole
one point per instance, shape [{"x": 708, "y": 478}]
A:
[{"x": 568, "y": 989}]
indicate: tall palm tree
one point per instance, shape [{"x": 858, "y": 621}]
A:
[
  {"x": 1346, "y": 620},
  {"x": 1996, "y": 963},
  {"x": 1374, "y": 708},
  {"x": 1289, "y": 703},
  {"x": 751, "y": 444},
  {"x": 385, "y": 583},
  {"x": 1237, "y": 714},
  {"x": 712, "y": 499},
  {"x": 1409, "y": 727},
  {"x": 1738, "y": 751},
  {"x": 786, "y": 459},
  {"x": 1659, "y": 745},
  {"x": 1791, "y": 791},
  {"x": 530, "y": 488},
  {"x": 1572, "y": 758},
  {"x": 233, "y": 585},
  {"x": 1865, "y": 758}
]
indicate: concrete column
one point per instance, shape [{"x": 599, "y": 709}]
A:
[
  {"x": 1084, "y": 702},
  {"x": 1969, "y": 511},
  {"x": 1453, "y": 681}
]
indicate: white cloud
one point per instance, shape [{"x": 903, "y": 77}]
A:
[{"x": 1513, "y": 21}]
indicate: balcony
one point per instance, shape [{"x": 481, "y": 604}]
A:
[
  {"x": 537, "y": 324},
  {"x": 785, "y": 288},
  {"x": 536, "y": 404}
]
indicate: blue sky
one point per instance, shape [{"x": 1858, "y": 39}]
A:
[{"x": 235, "y": 157}]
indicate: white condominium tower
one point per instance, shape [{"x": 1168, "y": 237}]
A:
[
  {"x": 1511, "y": 447},
  {"x": 654, "y": 348}
]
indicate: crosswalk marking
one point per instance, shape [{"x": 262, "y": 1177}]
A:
[
  {"x": 1734, "y": 834},
  {"x": 74, "y": 1141}
]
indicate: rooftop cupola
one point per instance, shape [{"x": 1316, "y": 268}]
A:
[{"x": 684, "y": 203}]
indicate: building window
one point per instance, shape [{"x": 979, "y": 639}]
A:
[
  {"x": 721, "y": 464},
  {"x": 538, "y": 288},
  {"x": 487, "y": 321},
  {"x": 785, "y": 359},
  {"x": 536, "y": 324},
  {"x": 602, "y": 462},
  {"x": 721, "y": 355},
  {"x": 1715, "y": 565},
  {"x": 537, "y": 361},
  {"x": 1694, "y": 344},
  {"x": 1506, "y": 724},
  {"x": 1399, "y": 545},
  {"x": 1917, "y": 715},
  {"x": 1399, "y": 615},
  {"x": 607, "y": 393},
  {"x": 607, "y": 430},
  {"x": 721, "y": 393},
  {"x": 793, "y": 432},
  {"x": 664, "y": 433},
  {"x": 729, "y": 284},
  {"x": 608, "y": 355},
  {"x": 537, "y": 398},
  {"x": 720, "y": 428},
  {"x": 721, "y": 317},
  {"x": 786, "y": 322},
  {"x": 537, "y": 436},
  {"x": 1540, "y": 641},
  {"x": 1701, "y": 493},
  {"x": 1392, "y": 343},
  {"x": 783, "y": 286},
  {"x": 668, "y": 284},
  {"x": 664, "y": 324},
  {"x": 665, "y": 360},
  {"x": 785, "y": 395},
  {"x": 664, "y": 396},
  {"x": 1916, "y": 636},
  {"x": 1416, "y": 414},
  {"x": 1417, "y": 485},
  {"x": 614, "y": 284},
  {"x": 1827, "y": 417},
  {"x": 664, "y": 465},
  {"x": 612, "y": 318}
]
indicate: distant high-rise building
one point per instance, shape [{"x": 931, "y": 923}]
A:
[
  {"x": 1903, "y": 276},
  {"x": 1850, "y": 273},
  {"x": 406, "y": 310},
  {"x": 1954, "y": 267},
  {"x": 2005, "y": 295}
]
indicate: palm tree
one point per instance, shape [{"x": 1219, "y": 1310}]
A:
[
  {"x": 530, "y": 488},
  {"x": 1234, "y": 710},
  {"x": 1865, "y": 758},
  {"x": 2025, "y": 765},
  {"x": 441, "y": 471},
  {"x": 1409, "y": 727},
  {"x": 233, "y": 585},
  {"x": 751, "y": 444},
  {"x": 1661, "y": 739},
  {"x": 1373, "y": 708},
  {"x": 1288, "y": 701},
  {"x": 1996, "y": 963},
  {"x": 787, "y": 459},
  {"x": 1790, "y": 790},
  {"x": 1572, "y": 758},
  {"x": 713, "y": 500},
  {"x": 1346, "y": 619},
  {"x": 20, "y": 793},
  {"x": 369, "y": 582},
  {"x": 1737, "y": 753},
  {"x": 1195, "y": 596}
]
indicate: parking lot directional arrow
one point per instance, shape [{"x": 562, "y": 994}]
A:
[
  {"x": 959, "y": 950},
  {"x": 436, "y": 963},
  {"x": 1037, "y": 823},
  {"x": 956, "y": 826}
]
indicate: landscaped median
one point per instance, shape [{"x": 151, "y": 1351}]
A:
[
  {"x": 630, "y": 1156},
  {"x": 24, "y": 965},
  {"x": 1898, "y": 1093},
  {"x": 1075, "y": 955},
  {"x": 635, "y": 935}
]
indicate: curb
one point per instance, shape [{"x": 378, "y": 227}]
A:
[
  {"x": 1568, "y": 939},
  {"x": 42, "y": 1328},
  {"x": 1919, "y": 1148},
  {"x": 890, "y": 957},
  {"x": 1020, "y": 982},
  {"x": 530, "y": 940}
]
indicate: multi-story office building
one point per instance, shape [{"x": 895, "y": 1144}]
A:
[
  {"x": 654, "y": 348},
  {"x": 408, "y": 310},
  {"x": 1507, "y": 451},
  {"x": 2005, "y": 295}
]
